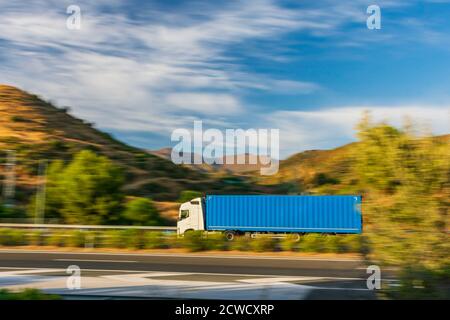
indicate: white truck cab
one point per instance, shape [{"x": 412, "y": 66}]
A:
[{"x": 191, "y": 216}]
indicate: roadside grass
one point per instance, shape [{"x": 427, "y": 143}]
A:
[
  {"x": 12, "y": 237},
  {"x": 263, "y": 244},
  {"x": 195, "y": 241}
]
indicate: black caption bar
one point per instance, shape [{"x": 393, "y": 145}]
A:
[{"x": 212, "y": 309}]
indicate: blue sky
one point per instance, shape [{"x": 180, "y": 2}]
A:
[{"x": 140, "y": 69}]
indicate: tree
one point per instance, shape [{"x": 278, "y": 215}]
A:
[
  {"x": 376, "y": 155},
  {"x": 54, "y": 192},
  {"x": 405, "y": 179},
  {"x": 86, "y": 191},
  {"x": 142, "y": 211},
  {"x": 11, "y": 212},
  {"x": 188, "y": 195},
  {"x": 91, "y": 186}
]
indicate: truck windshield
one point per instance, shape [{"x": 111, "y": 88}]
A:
[{"x": 184, "y": 214}]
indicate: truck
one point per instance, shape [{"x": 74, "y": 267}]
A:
[{"x": 275, "y": 215}]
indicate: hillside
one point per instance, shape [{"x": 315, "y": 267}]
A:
[
  {"x": 36, "y": 130},
  {"x": 228, "y": 166},
  {"x": 321, "y": 171}
]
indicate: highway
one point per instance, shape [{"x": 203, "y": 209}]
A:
[{"x": 199, "y": 275}]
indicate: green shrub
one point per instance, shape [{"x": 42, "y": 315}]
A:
[
  {"x": 173, "y": 241},
  {"x": 322, "y": 179},
  {"x": 241, "y": 243},
  {"x": 262, "y": 244},
  {"x": 112, "y": 239},
  {"x": 217, "y": 241},
  {"x": 36, "y": 238},
  {"x": 420, "y": 282},
  {"x": 92, "y": 238},
  {"x": 27, "y": 294},
  {"x": 331, "y": 243},
  {"x": 57, "y": 238},
  {"x": 133, "y": 238},
  {"x": 76, "y": 238},
  {"x": 130, "y": 238},
  {"x": 313, "y": 242},
  {"x": 155, "y": 240},
  {"x": 12, "y": 237},
  {"x": 142, "y": 212},
  {"x": 342, "y": 245},
  {"x": 18, "y": 119},
  {"x": 188, "y": 195},
  {"x": 194, "y": 241},
  {"x": 289, "y": 243},
  {"x": 14, "y": 212},
  {"x": 354, "y": 243}
]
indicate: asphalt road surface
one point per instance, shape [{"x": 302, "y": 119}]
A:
[{"x": 329, "y": 278}]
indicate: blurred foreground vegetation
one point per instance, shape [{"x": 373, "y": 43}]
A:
[
  {"x": 405, "y": 180},
  {"x": 194, "y": 241},
  {"x": 27, "y": 294}
]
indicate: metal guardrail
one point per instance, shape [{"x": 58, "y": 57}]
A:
[{"x": 83, "y": 227}]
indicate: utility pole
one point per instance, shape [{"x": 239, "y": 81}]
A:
[
  {"x": 39, "y": 213},
  {"x": 9, "y": 184}
]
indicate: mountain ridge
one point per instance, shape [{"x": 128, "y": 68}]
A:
[{"x": 228, "y": 164}]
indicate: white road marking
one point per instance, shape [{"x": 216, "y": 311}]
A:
[
  {"x": 27, "y": 271},
  {"x": 44, "y": 269},
  {"x": 276, "y": 279}
]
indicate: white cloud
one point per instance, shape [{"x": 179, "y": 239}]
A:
[
  {"x": 135, "y": 71},
  {"x": 204, "y": 103},
  {"x": 293, "y": 87},
  {"x": 320, "y": 129}
]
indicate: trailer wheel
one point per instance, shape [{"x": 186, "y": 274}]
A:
[
  {"x": 229, "y": 235},
  {"x": 297, "y": 236}
]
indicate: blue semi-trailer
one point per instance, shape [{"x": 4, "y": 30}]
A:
[{"x": 271, "y": 214}]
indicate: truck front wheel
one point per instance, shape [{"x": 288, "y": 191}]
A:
[{"x": 229, "y": 235}]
